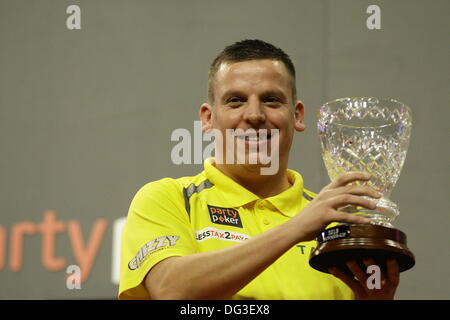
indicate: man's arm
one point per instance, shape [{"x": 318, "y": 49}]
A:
[{"x": 195, "y": 276}]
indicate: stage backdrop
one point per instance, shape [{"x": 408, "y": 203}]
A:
[{"x": 91, "y": 91}]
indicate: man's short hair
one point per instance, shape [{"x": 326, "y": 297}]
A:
[{"x": 246, "y": 50}]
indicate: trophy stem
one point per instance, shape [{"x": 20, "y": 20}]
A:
[{"x": 383, "y": 215}]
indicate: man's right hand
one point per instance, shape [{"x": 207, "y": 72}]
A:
[{"x": 324, "y": 209}]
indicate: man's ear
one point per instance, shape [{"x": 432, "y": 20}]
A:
[
  {"x": 299, "y": 114},
  {"x": 206, "y": 117}
]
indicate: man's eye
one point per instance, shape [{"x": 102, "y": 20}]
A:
[
  {"x": 234, "y": 99},
  {"x": 271, "y": 99}
]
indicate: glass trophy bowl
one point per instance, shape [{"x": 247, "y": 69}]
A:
[{"x": 370, "y": 135}]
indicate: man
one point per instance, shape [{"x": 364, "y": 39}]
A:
[{"x": 234, "y": 233}]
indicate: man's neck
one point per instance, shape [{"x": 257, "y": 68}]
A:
[{"x": 249, "y": 177}]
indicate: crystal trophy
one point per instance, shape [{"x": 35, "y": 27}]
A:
[{"x": 370, "y": 135}]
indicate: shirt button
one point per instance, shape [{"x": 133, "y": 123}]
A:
[
  {"x": 266, "y": 221},
  {"x": 260, "y": 206}
]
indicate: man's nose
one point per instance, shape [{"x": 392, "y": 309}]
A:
[{"x": 254, "y": 112}]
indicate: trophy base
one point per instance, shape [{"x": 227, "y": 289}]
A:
[{"x": 344, "y": 243}]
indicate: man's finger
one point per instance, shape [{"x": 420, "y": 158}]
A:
[
  {"x": 349, "y": 177},
  {"x": 351, "y": 282},
  {"x": 393, "y": 272},
  {"x": 341, "y": 216},
  {"x": 357, "y": 272},
  {"x": 358, "y": 191},
  {"x": 346, "y": 199}
]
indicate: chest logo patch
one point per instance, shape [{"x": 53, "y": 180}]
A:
[{"x": 225, "y": 216}]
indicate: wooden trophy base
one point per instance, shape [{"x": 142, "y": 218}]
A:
[{"x": 344, "y": 243}]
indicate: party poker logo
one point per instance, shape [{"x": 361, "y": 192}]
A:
[{"x": 226, "y": 216}]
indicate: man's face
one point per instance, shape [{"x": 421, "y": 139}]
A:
[{"x": 255, "y": 94}]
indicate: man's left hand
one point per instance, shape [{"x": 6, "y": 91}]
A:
[{"x": 358, "y": 283}]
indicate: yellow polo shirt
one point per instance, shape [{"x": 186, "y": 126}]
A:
[{"x": 177, "y": 217}]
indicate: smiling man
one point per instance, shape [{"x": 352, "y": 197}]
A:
[
  {"x": 254, "y": 95},
  {"x": 231, "y": 232}
]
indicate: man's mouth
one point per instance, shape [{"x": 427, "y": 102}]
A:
[{"x": 254, "y": 136}]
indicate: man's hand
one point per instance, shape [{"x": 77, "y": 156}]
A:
[
  {"x": 324, "y": 209},
  {"x": 358, "y": 283}
]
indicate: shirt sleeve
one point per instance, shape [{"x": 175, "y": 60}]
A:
[{"x": 157, "y": 227}]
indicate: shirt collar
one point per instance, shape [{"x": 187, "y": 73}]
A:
[
  {"x": 290, "y": 201},
  {"x": 287, "y": 202},
  {"x": 236, "y": 195}
]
